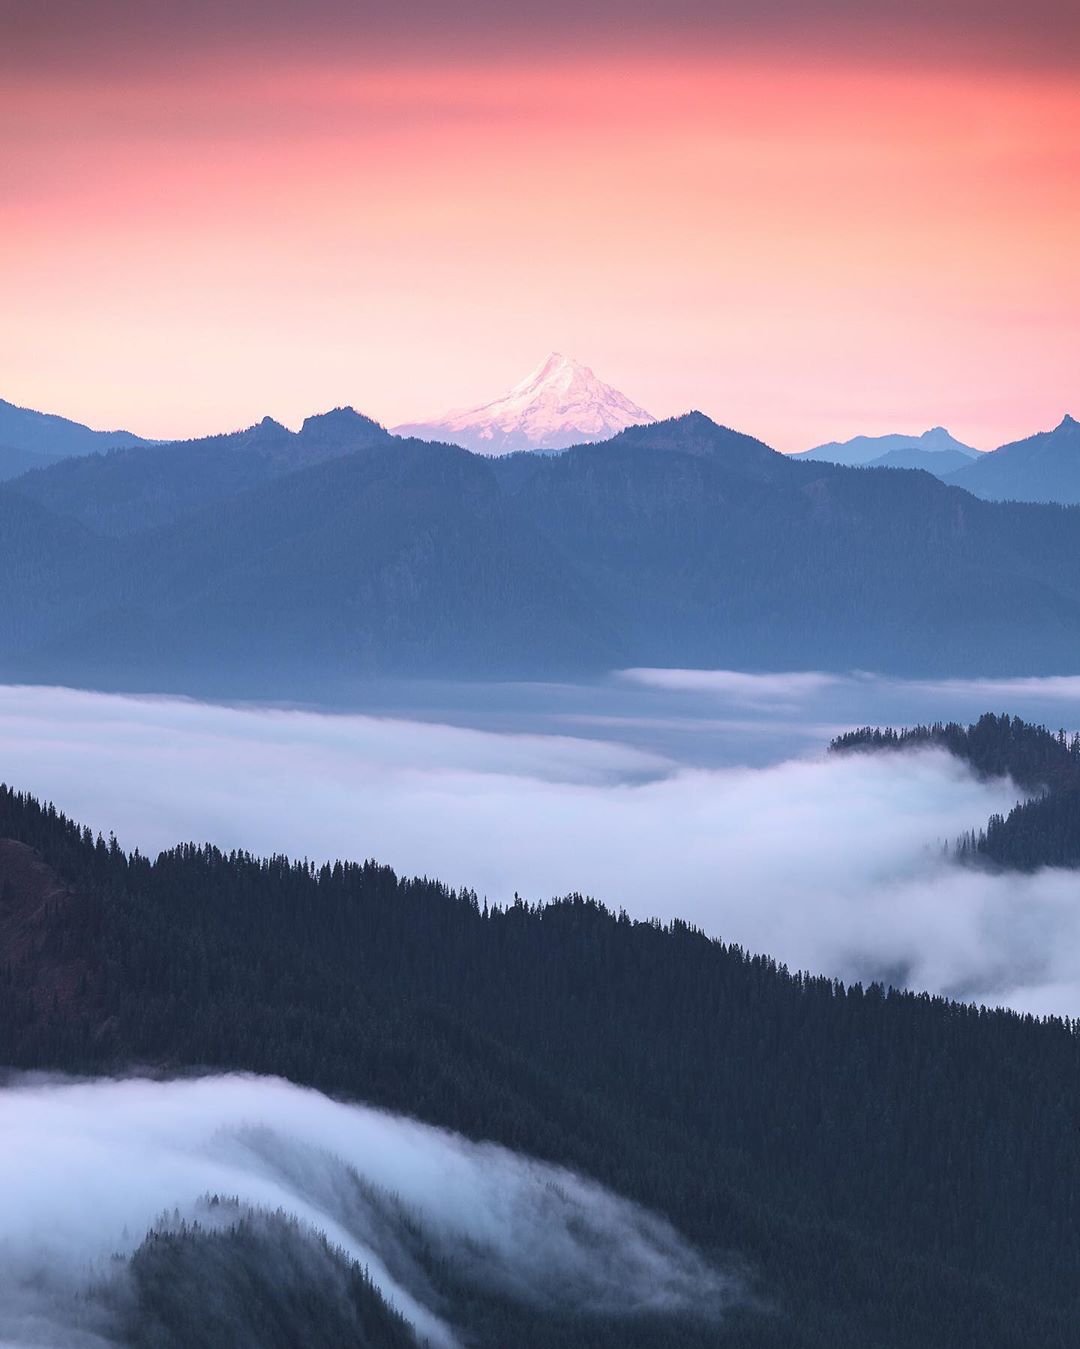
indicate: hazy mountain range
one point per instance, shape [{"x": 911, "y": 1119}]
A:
[
  {"x": 562, "y": 404},
  {"x": 31, "y": 439},
  {"x": 1044, "y": 467},
  {"x": 935, "y": 450},
  {"x": 292, "y": 563}
]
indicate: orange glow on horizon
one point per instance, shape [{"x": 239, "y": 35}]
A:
[{"x": 805, "y": 253}]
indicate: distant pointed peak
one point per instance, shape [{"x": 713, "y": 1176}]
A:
[
  {"x": 554, "y": 368},
  {"x": 559, "y": 403},
  {"x": 269, "y": 424},
  {"x": 555, "y": 360},
  {"x": 1067, "y": 420}
]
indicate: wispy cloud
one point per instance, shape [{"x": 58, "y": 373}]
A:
[
  {"x": 752, "y": 690},
  {"x": 87, "y": 1168}
]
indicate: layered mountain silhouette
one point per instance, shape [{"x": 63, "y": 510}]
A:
[
  {"x": 275, "y": 563},
  {"x": 560, "y": 403},
  {"x": 1044, "y": 467},
  {"x": 938, "y": 462},
  {"x": 127, "y": 490},
  {"x": 31, "y": 439},
  {"x": 935, "y": 450}
]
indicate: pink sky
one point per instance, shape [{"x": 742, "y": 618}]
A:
[{"x": 806, "y": 241}]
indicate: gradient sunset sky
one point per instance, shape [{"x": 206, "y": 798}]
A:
[{"x": 810, "y": 220}]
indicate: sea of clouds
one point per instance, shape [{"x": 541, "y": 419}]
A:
[{"x": 702, "y": 795}]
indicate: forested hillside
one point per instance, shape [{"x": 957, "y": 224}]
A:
[
  {"x": 15, "y": 461},
  {"x": 1044, "y": 467},
  {"x": 889, "y": 1168},
  {"x": 260, "y": 1282},
  {"x": 1041, "y": 831}
]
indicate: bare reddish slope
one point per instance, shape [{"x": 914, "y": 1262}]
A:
[{"x": 33, "y": 901}]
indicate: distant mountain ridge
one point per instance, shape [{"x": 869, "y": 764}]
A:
[
  {"x": 278, "y": 564},
  {"x": 30, "y": 439},
  {"x": 131, "y": 489},
  {"x": 560, "y": 403},
  {"x": 894, "y": 451},
  {"x": 1043, "y": 467},
  {"x": 938, "y": 462}
]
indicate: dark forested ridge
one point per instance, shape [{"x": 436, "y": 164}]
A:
[
  {"x": 295, "y": 565},
  {"x": 1042, "y": 831},
  {"x": 893, "y": 1168},
  {"x": 994, "y": 746}
]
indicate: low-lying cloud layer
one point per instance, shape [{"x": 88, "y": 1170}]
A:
[
  {"x": 831, "y": 864},
  {"x": 87, "y": 1168}
]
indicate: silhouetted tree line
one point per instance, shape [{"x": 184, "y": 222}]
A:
[
  {"x": 894, "y": 1169},
  {"x": 1042, "y": 831}
]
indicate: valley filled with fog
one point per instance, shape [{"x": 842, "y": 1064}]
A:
[{"x": 705, "y": 796}]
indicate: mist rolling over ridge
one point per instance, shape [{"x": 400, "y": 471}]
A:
[
  {"x": 87, "y": 1169},
  {"x": 678, "y": 1070},
  {"x": 833, "y": 865}
]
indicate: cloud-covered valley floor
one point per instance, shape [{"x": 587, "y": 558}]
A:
[{"x": 830, "y": 864}]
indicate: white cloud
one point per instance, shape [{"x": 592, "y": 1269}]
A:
[
  {"x": 87, "y": 1168},
  {"x": 751, "y": 690},
  {"x": 831, "y": 864},
  {"x": 1045, "y": 688}
]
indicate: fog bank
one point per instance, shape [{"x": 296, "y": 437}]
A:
[
  {"x": 831, "y": 864},
  {"x": 86, "y": 1168}
]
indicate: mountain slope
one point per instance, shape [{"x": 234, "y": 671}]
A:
[
  {"x": 560, "y": 403},
  {"x": 403, "y": 558},
  {"x": 129, "y": 490},
  {"x": 15, "y": 461},
  {"x": 1044, "y": 467},
  {"x": 677, "y": 543},
  {"x": 261, "y": 1282},
  {"x": 809, "y": 566},
  {"x": 1042, "y": 831},
  {"x": 938, "y": 462},
  {"x": 42, "y": 438},
  {"x": 54, "y": 570},
  {"x": 890, "y": 1168},
  {"x": 699, "y": 436},
  {"x": 863, "y": 450}
]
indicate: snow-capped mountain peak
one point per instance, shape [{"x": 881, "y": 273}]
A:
[
  {"x": 555, "y": 371},
  {"x": 560, "y": 403}
]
